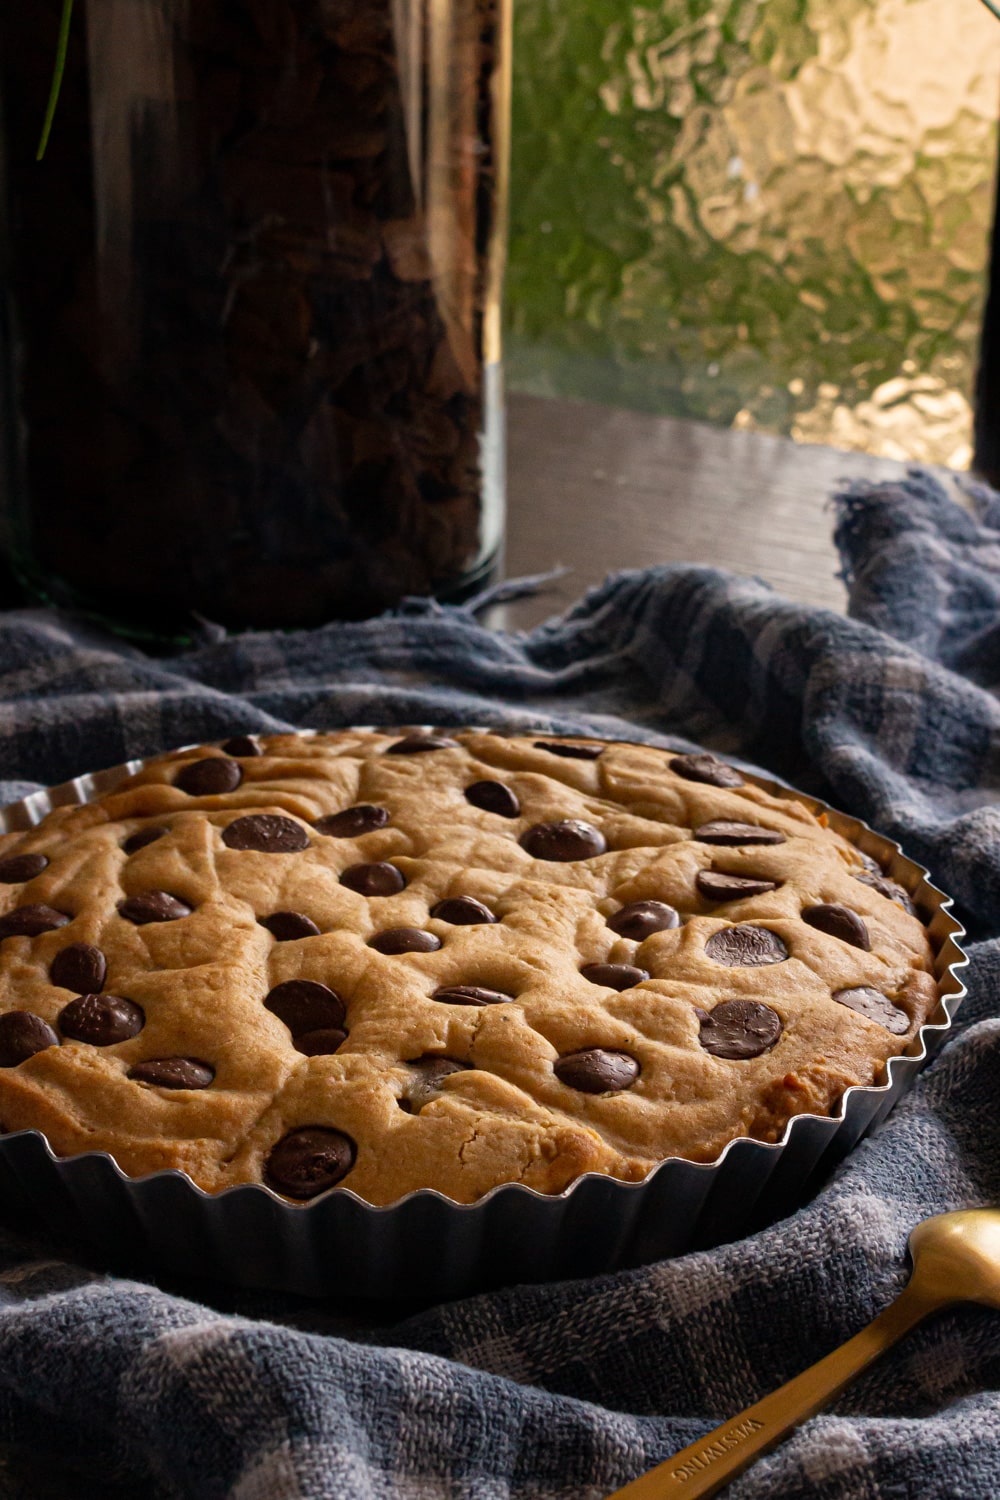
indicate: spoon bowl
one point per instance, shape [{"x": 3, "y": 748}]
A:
[{"x": 956, "y": 1257}]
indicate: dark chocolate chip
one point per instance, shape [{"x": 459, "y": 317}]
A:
[
  {"x": 404, "y": 940},
  {"x": 738, "y": 1029},
  {"x": 174, "y": 1072},
  {"x": 871, "y": 1003},
  {"x": 266, "y": 833},
  {"x": 153, "y": 906},
  {"x": 716, "y": 885},
  {"x": 706, "y": 768},
  {"x": 889, "y": 888},
  {"x": 597, "y": 1070},
  {"x": 373, "y": 880},
  {"x": 745, "y": 947},
  {"x": 306, "y": 1005},
  {"x": 730, "y": 834},
  {"x": 469, "y": 994},
  {"x": 101, "y": 1020},
  {"x": 242, "y": 745},
  {"x": 22, "y": 1034},
  {"x": 145, "y": 836},
  {"x": 494, "y": 797},
  {"x": 209, "y": 777},
  {"x": 418, "y": 744},
  {"x": 871, "y": 865},
  {"x": 571, "y": 752},
  {"x": 640, "y": 919},
  {"x": 307, "y": 1161},
  {"x": 320, "y": 1043},
  {"x": 427, "y": 1073},
  {"x": 30, "y": 921},
  {"x": 614, "y": 976},
  {"x": 18, "y": 868},
  {"x": 353, "y": 821},
  {"x": 839, "y": 922},
  {"x": 81, "y": 968},
  {"x": 567, "y": 840},
  {"x": 462, "y": 911},
  {"x": 287, "y": 926}
]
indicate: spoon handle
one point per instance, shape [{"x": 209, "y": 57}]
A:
[{"x": 712, "y": 1461}]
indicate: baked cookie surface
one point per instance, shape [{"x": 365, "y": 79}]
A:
[{"x": 399, "y": 960}]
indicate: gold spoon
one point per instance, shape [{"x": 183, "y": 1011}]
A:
[{"x": 956, "y": 1258}]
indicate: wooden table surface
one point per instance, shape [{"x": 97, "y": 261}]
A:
[{"x": 595, "y": 488}]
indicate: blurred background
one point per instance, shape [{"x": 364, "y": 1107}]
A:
[{"x": 769, "y": 214}]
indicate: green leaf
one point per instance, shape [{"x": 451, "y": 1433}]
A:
[{"x": 57, "y": 76}]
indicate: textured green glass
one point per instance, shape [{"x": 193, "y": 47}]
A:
[{"x": 764, "y": 213}]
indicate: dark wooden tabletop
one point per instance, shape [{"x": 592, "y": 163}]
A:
[{"x": 595, "y": 488}]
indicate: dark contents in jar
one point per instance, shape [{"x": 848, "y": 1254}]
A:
[{"x": 262, "y": 398}]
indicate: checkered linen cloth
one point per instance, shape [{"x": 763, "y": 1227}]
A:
[{"x": 569, "y": 1390}]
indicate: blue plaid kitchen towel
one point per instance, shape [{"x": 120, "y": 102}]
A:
[{"x": 130, "y": 1388}]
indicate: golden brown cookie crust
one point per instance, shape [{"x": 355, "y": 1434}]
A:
[{"x": 506, "y": 1116}]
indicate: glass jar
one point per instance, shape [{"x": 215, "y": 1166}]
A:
[{"x": 252, "y": 306}]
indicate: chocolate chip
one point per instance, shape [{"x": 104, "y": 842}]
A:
[
  {"x": 706, "y": 768},
  {"x": 81, "y": 968},
  {"x": 870, "y": 1002},
  {"x": 462, "y": 911},
  {"x": 418, "y": 744},
  {"x": 597, "y": 1070},
  {"x": 427, "y": 1073},
  {"x": 494, "y": 797},
  {"x": 716, "y": 885},
  {"x": 209, "y": 777},
  {"x": 738, "y": 1029},
  {"x": 22, "y": 1034},
  {"x": 153, "y": 906},
  {"x": 174, "y": 1072},
  {"x": 745, "y": 947},
  {"x": 839, "y": 922},
  {"x": 871, "y": 865},
  {"x": 469, "y": 994},
  {"x": 889, "y": 888},
  {"x": 373, "y": 880},
  {"x": 640, "y": 919},
  {"x": 101, "y": 1020},
  {"x": 145, "y": 836},
  {"x": 288, "y": 926},
  {"x": 306, "y": 1005},
  {"x": 353, "y": 821},
  {"x": 730, "y": 834},
  {"x": 30, "y": 921},
  {"x": 571, "y": 752},
  {"x": 243, "y": 746},
  {"x": 614, "y": 976},
  {"x": 18, "y": 868},
  {"x": 307, "y": 1161},
  {"x": 567, "y": 840},
  {"x": 322, "y": 1043},
  {"x": 266, "y": 833},
  {"x": 404, "y": 940}
]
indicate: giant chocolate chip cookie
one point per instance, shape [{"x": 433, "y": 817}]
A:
[{"x": 440, "y": 960}]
